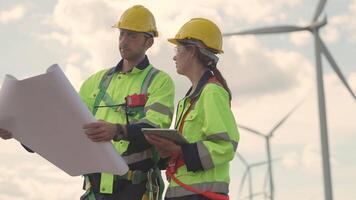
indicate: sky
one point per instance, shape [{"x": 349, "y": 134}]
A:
[{"x": 268, "y": 76}]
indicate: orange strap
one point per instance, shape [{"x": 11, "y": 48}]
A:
[{"x": 207, "y": 194}]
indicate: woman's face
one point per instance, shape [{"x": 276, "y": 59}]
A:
[{"x": 182, "y": 59}]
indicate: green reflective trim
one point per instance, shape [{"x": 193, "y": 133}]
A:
[
  {"x": 205, "y": 157},
  {"x": 160, "y": 108},
  {"x": 106, "y": 183},
  {"x": 225, "y": 137},
  {"x": 103, "y": 86},
  {"x": 109, "y": 102},
  {"x": 219, "y": 187}
]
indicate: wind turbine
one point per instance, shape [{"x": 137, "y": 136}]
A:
[
  {"x": 268, "y": 137},
  {"x": 248, "y": 174},
  {"x": 320, "y": 48}
]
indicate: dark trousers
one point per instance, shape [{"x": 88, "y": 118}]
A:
[{"x": 129, "y": 192}]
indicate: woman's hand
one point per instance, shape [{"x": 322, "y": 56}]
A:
[{"x": 165, "y": 148}]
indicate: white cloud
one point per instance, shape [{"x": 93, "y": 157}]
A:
[
  {"x": 344, "y": 23},
  {"x": 14, "y": 13},
  {"x": 291, "y": 159},
  {"x": 331, "y": 34},
  {"x": 61, "y": 38},
  {"x": 311, "y": 158},
  {"x": 35, "y": 178},
  {"x": 252, "y": 69},
  {"x": 74, "y": 75},
  {"x": 300, "y": 38},
  {"x": 80, "y": 26}
]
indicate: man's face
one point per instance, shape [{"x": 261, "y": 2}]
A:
[{"x": 133, "y": 44}]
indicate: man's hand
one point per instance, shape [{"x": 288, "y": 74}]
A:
[
  {"x": 165, "y": 147},
  {"x": 100, "y": 131},
  {"x": 4, "y": 134}
]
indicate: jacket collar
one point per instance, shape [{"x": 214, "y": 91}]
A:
[
  {"x": 139, "y": 67},
  {"x": 202, "y": 82}
]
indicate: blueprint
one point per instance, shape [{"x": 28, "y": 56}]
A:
[{"x": 46, "y": 114}]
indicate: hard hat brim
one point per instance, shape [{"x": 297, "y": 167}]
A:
[
  {"x": 173, "y": 41},
  {"x": 154, "y": 33}
]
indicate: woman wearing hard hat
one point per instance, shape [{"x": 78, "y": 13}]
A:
[{"x": 200, "y": 169}]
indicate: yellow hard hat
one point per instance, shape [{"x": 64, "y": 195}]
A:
[
  {"x": 200, "y": 29},
  {"x": 139, "y": 19}
]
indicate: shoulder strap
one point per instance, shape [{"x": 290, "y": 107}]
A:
[{"x": 104, "y": 84}]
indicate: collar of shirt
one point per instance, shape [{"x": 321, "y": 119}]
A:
[{"x": 138, "y": 68}]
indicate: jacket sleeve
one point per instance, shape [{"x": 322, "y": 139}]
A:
[{"x": 220, "y": 132}]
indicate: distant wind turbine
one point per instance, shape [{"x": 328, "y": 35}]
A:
[
  {"x": 268, "y": 137},
  {"x": 320, "y": 49},
  {"x": 248, "y": 174}
]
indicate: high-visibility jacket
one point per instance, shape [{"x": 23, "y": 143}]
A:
[
  {"x": 157, "y": 112},
  {"x": 211, "y": 130}
]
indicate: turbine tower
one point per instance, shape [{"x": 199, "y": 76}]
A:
[
  {"x": 268, "y": 137},
  {"x": 320, "y": 48}
]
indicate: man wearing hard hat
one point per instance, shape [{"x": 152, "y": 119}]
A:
[{"x": 130, "y": 96}]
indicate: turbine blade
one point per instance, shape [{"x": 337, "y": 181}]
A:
[
  {"x": 242, "y": 182},
  {"x": 333, "y": 64},
  {"x": 263, "y": 162},
  {"x": 259, "y": 164},
  {"x": 319, "y": 9},
  {"x": 268, "y": 30},
  {"x": 251, "y": 130},
  {"x": 285, "y": 118}
]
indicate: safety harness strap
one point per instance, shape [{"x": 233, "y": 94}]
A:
[{"x": 103, "y": 86}]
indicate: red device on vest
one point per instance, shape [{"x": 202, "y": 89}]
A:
[{"x": 136, "y": 100}]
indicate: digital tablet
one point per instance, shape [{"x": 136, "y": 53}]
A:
[{"x": 170, "y": 134}]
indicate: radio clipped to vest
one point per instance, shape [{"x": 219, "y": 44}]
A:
[{"x": 134, "y": 105}]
